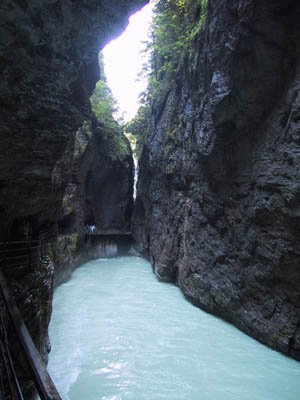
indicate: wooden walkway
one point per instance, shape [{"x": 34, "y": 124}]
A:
[{"x": 39, "y": 373}]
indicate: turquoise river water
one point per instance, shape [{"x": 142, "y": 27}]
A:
[{"x": 117, "y": 333}]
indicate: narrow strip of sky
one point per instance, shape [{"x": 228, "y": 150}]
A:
[{"x": 123, "y": 62}]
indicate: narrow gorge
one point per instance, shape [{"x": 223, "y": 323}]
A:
[{"x": 217, "y": 209}]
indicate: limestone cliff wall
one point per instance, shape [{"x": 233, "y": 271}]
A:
[{"x": 218, "y": 202}]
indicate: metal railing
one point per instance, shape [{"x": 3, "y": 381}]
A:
[
  {"x": 20, "y": 253},
  {"x": 98, "y": 232},
  {"x": 13, "y": 385},
  {"x": 27, "y": 252}
]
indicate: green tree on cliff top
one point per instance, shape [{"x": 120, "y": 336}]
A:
[
  {"x": 176, "y": 24},
  {"x": 103, "y": 106}
]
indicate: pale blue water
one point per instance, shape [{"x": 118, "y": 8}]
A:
[{"x": 117, "y": 333}]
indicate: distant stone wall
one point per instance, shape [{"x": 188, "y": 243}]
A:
[{"x": 105, "y": 246}]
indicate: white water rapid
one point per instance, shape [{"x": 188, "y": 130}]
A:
[{"x": 119, "y": 334}]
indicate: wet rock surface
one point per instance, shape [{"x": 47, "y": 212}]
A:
[
  {"x": 218, "y": 196},
  {"x": 62, "y": 252}
]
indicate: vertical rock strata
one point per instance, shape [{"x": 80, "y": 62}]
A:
[{"x": 218, "y": 205}]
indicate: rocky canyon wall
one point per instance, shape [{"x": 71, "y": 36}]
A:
[
  {"x": 49, "y": 67},
  {"x": 99, "y": 193},
  {"x": 218, "y": 205}
]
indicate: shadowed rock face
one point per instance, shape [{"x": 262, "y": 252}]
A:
[
  {"x": 108, "y": 189},
  {"x": 218, "y": 204},
  {"x": 101, "y": 190},
  {"x": 105, "y": 184},
  {"x": 49, "y": 66}
]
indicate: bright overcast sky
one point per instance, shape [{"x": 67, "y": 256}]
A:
[{"x": 123, "y": 61}]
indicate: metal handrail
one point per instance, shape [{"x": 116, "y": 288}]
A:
[
  {"x": 43, "y": 381},
  {"x": 19, "y": 249},
  {"x": 19, "y": 241},
  {"x": 17, "y": 264},
  {"x": 17, "y": 257},
  {"x": 29, "y": 248},
  {"x": 9, "y": 366}
]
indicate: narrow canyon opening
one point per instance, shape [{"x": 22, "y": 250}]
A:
[{"x": 215, "y": 211}]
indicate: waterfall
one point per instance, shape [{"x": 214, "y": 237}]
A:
[{"x": 136, "y": 174}]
